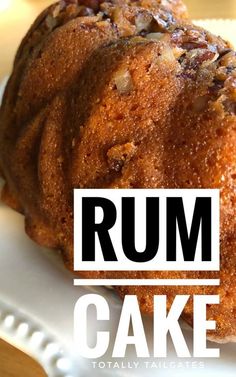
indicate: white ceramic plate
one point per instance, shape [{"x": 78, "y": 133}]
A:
[{"x": 37, "y": 301}]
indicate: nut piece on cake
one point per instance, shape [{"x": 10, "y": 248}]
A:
[{"x": 121, "y": 94}]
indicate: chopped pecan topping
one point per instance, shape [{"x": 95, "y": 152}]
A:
[
  {"x": 189, "y": 39},
  {"x": 229, "y": 59},
  {"x": 143, "y": 22},
  {"x": 199, "y": 58}
]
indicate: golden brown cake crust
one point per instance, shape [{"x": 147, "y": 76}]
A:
[{"x": 121, "y": 96}]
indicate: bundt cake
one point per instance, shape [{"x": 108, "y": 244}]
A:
[{"x": 122, "y": 94}]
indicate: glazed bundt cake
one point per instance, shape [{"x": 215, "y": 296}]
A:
[{"x": 121, "y": 94}]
